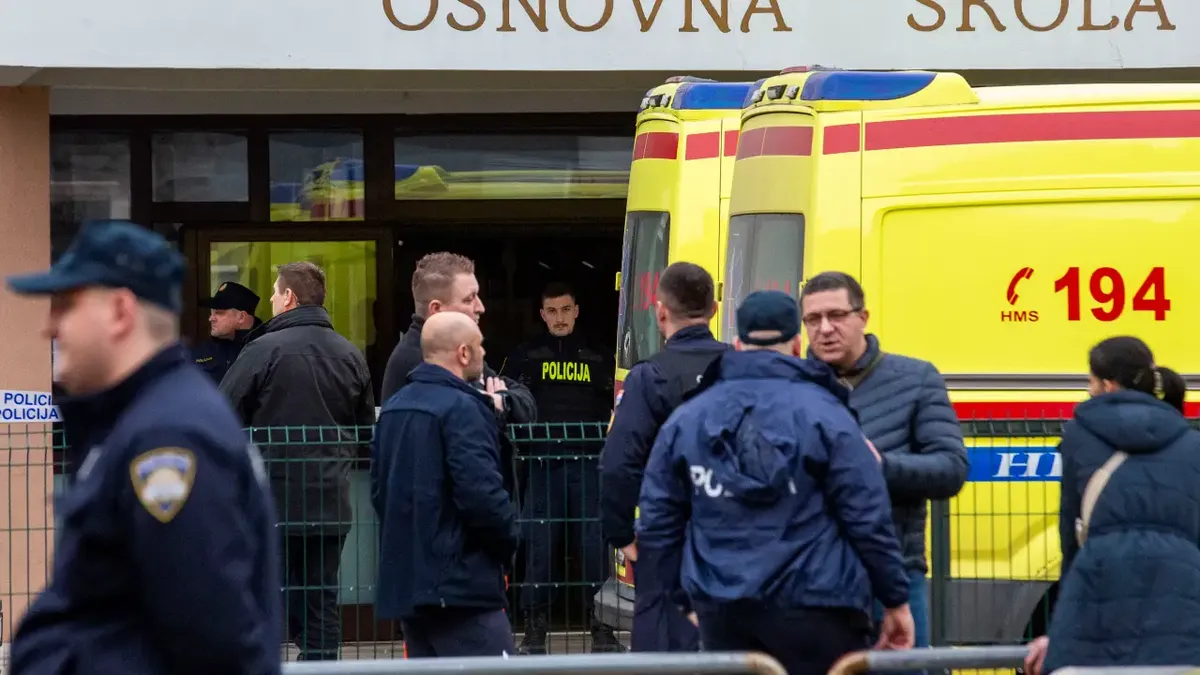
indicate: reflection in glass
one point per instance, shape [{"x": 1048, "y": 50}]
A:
[
  {"x": 89, "y": 180},
  {"x": 645, "y": 257},
  {"x": 764, "y": 251},
  {"x": 349, "y": 266},
  {"x": 317, "y": 175},
  {"x": 473, "y": 166},
  {"x": 197, "y": 166}
]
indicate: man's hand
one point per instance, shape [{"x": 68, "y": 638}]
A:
[
  {"x": 1036, "y": 658},
  {"x": 694, "y": 619},
  {"x": 493, "y": 386},
  {"x": 878, "y": 457},
  {"x": 630, "y": 551},
  {"x": 897, "y": 631}
]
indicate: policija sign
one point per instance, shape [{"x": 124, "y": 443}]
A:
[{"x": 589, "y": 16}]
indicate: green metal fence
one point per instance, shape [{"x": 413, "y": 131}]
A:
[{"x": 993, "y": 550}]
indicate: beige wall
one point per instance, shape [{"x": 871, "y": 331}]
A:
[{"x": 26, "y": 516}]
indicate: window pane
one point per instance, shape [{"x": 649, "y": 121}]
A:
[
  {"x": 197, "y": 166},
  {"x": 317, "y": 175},
  {"x": 765, "y": 252},
  {"x": 470, "y": 166},
  {"x": 645, "y": 257},
  {"x": 89, "y": 180}
]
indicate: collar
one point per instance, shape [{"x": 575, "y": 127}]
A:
[
  {"x": 864, "y": 360},
  {"x": 304, "y": 315},
  {"x": 691, "y": 334}
]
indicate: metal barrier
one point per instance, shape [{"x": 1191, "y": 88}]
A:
[
  {"x": 943, "y": 658},
  {"x": 574, "y": 664}
]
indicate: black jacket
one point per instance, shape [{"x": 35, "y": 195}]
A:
[
  {"x": 447, "y": 527},
  {"x": 296, "y": 371},
  {"x": 570, "y": 380},
  {"x": 1131, "y": 595},
  {"x": 167, "y": 559},
  {"x": 214, "y": 356}
]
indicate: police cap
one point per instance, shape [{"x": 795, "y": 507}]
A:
[
  {"x": 113, "y": 254},
  {"x": 231, "y": 295},
  {"x": 773, "y": 312}
]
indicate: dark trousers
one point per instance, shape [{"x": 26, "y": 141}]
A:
[
  {"x": 806, "y": 641},
  {"x": 658, "y": 623},
  {"x": 562, "y": 519},
  {"x": 457, "y": 632},
  {"x": 311, "y": 600}
]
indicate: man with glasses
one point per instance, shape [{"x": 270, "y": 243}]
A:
[{"x": 904, "y": 410}]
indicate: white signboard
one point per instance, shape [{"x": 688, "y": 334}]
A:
[
  {"x": 590, "y": 35},
  {"x": 27, "y": 407}
]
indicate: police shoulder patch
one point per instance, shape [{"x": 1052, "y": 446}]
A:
[{"x": 162, "y": 480}]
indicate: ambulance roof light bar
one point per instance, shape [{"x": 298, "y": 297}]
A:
[
  {"x": 678, "y": 79},
  {"x": 711, "y": 95},
  {"x": 850, "y": 85},
  {"x": 804, "y": 69}
]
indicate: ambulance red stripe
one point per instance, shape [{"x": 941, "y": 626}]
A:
[
  {"x": 656, "y": 145},
  {"x": 731, "y": 143},
  {"x": 840, "y": 138},
  {"x": 776, "y": 141},
  {"x": 703, "y": 146},
  {"x": 1032, "y": 127},
  {"x": 982, "y": 411}
]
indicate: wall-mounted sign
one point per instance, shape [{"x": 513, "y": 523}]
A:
[{"x": 27, "y": 407}]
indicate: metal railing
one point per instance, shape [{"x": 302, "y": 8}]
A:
[
  {"x": 574, "y": 664},
  {"x": 943, "y": 658}
]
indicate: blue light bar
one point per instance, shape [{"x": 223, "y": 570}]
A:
[
  {"x": 750, "y": 93},
  {"x": 848, "y": 85},
  {"x": 711, "y": 96}
]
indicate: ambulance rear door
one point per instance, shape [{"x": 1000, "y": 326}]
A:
[{"x": 696, "y": 217}]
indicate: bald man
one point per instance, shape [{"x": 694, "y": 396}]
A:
[{"x": 447, "y": 526}]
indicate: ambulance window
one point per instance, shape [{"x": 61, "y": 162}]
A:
[
  {"x": 764, "y": 251},
  {"x": 644, "y": 259}
]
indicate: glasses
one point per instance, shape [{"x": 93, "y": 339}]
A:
[{"x": 835, "y": 317}]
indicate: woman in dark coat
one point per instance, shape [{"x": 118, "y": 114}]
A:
[{"x": 1130, "y": 596}]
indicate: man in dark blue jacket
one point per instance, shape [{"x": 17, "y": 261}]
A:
[
  {"x": 765, "y": 492},
  {"x": 447, "y": 526},
  {"x": 166, "y": 562},
  {"x": 903, "y": 407},
  {"x": 230, "y": 320},
  {"x": 686, "y": 304}
]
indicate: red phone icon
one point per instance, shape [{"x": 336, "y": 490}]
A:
[{"x": 1021, "y": 275}]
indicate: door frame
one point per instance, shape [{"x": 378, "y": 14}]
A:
[{"x": 197, "y": 241}]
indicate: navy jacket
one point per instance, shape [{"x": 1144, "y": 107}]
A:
[
  {"x": 642, "y": 408},
  {"x": 447, "y": 527},
  {"x": 216, "y": 355},
  {"x": 765, "y": 487},
  {"x": 1131, "y": 595},
  {"x": 167, "y": 560},
  {"x": 904, "y": 409}
]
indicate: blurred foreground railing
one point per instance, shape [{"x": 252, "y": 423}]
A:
[
  {"x": 573, "y": 664},
  {"x": 942, "y": 658}
]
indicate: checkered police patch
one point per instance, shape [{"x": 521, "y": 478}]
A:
[{"x": 162, "y": 480}]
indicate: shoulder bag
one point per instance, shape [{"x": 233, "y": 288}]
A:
[{"x": 1091, "y": 493}]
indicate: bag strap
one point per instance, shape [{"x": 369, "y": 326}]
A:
[
  {"x": 853, "y": 380},
  {"x": 1091, "y": 493}
]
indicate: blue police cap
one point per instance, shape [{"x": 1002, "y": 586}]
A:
[
  {"x": 775, "y": 312},
  {"x": 113, "y": 254}
]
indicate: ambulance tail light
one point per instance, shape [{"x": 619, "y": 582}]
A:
[
  {"x": 849, "y": 85},
  {"x": 711, "y": 95}
]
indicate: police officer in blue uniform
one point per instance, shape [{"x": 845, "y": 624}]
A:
[
  {"x": 230, "y": 320},
  {"x": 652, "y": 390},
  {"x": 167, "y": 561},
  {"x": 571, "y": 381}
]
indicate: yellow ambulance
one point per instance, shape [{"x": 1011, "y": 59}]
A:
[
  {"x": 679, "y": 183},
  {"x": 999, "y": 233}
]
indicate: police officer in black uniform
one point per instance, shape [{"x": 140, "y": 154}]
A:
[
  {"x": 167, "y": 561},
  {"x": 652, "y": 390},
  {"x": 230, "y": 320},
  {"x": 572, "y": 383}
]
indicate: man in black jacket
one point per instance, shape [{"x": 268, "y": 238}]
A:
[
  {"x": 231, "y": 318},
  {"x": 447, "y": 526},
  {"x": 296, "y": 371},
  {"x": 903, "y": 407}
]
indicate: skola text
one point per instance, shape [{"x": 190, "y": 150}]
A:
[{"x": 1039, "y": 16}]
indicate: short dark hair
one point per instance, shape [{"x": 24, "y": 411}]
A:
[
  {"x": 434, "y": 275},
  {"x": 686, "y": 289},
  {"x": 835, "y": 281},
  {"x": 557, "y": 289},
  {"x": 305, "y": 280}
]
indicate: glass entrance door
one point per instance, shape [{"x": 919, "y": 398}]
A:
[{"x": 352, "y": 261}]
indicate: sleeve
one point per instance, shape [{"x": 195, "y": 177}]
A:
[
  {"x": 243, "y": 381},
  {"x": 521, "y": 408},
  {"x": 626, "y": 451},
  {"x": 859, "y": 497},
  {"x": 364, "y": 416},
  {"x": 513, "y": 367},
  {"x": 665, "y": 508},
  {"x": 395, "y": 373},
  {"x": 197, "y": 550},
  {"x": 377, "y": 468},
  {"x": 1070, "y": 500},
  {"x": 937, "y": 466},
  {"x": 476, "y": 481}
]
